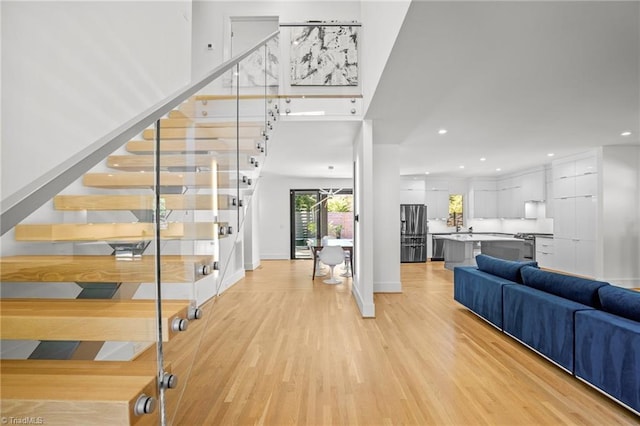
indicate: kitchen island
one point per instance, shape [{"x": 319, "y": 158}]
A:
[{"x": 461, "y": 249}]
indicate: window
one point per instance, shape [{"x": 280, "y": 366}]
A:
[{"x": 455, "y": 211}]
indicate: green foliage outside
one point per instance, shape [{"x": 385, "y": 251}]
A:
[
  {"x": 305, "y": 202},
  {"x": 455, "y": 203},
  {"x": 339, "y": 204},
  {"x": 455, "y": 211}
]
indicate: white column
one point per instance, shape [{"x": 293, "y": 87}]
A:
[
  {"x": 251, "y": 236},
  {"x": 362, "y": 287},
  {"x": 386, "y": 218}
]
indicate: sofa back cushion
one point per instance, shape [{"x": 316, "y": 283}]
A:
[
  {"x": 581, "y": 290},
  {"x": 620, "y": 301},
  {"x": 507, "y": 269}
]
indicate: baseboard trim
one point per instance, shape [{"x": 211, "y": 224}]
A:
[
  {"x": 367, "y": 310},
  {"x": 252, "y": 266},
  {"x": 275, "y": 256},
  {"x": 623, "y": 282},
  {"x": 387, "y": 287}
]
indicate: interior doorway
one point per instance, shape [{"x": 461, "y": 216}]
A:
[
  {"x": 246, "y": 31},
  {"x": 316, "y": 213}
]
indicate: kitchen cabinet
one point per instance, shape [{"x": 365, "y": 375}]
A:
[
  {"x": 532, "y": 186},
  {"x": 485, "y": 204},
  {"x": 545, "y": 252},
  {"x": 437, "y": 198},
  {"x": 575, "y": 187},
  {"x": 437, "y": 202},
  {"x": 483, "y": 199},
  {"x": 510, "y": 200},
  {"x": 575, "y": 256},
  {"x": 549, "y": 194},
  {"x": 412, "y": 190}
]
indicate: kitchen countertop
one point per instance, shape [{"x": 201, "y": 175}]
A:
[{"x": 475, "y": 238}]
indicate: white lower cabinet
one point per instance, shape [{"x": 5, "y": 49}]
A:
[
  {"x": 575, "y": 256},
  {"x": 545, "y": 252}
]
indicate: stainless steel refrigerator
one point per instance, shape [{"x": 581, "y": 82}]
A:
[{"x": 413, "y": 233}]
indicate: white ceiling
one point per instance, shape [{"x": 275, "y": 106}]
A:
[{"x": 510, "y": 81}]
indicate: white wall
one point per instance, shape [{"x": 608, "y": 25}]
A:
[
  {"x": 274, "y": 213},
  {"x": 381, "y": 21},
  {"x": 619, "y": 221},
  {"x": 386, "y": 218},
  {"x": 211, "y": 23},
  {"x": 73, "y": 71}
]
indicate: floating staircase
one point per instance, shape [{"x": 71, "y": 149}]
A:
[
  {"x": 65, "y": 391},
  {"x": 205, "y": 167}
]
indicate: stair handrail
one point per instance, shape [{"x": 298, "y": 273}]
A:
[{"x": 32, "y": 196}]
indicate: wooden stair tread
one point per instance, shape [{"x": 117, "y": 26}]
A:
[
  {"x": 80, "y": 367},
  {"x": 74, "y": 387},
  {"x": 100, "y": 269},
  {"x": 136, "y": 231},
  {"x": 147, "y": 180},
  {"x": 204, "y": 133},
  {"x": 193, "y": 145},
  {"x": 87, "y": 319},
  {"x": 76, "y": 399},
  {"x": 145, "y": 162},
  {"x": 142, "y": 202}
]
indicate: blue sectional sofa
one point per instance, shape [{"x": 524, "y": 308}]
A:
[{"x": 589, "y": 328}]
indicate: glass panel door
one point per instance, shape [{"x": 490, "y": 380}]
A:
[
  {"x": 316, "y": 213},
  {"x": 305, "y": 221}
]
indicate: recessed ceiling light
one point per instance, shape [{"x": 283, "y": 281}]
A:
[
  {"x": 462, "y": 167},
  {"x": 483, "y": 159},
  {"x": 627, "y": 133},
  {"x": 442, "y": 131},
  {"x": 498, "y": 169},
  {"x": 426, "y": 173},
  {"x": 551, "y": 154}
]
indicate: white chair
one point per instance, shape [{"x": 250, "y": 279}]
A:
[
  {"x": 347, "y": 264},
  {"x": 331, "y": 256}
]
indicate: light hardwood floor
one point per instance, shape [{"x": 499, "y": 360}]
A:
[{"x": 280, "y": 349}]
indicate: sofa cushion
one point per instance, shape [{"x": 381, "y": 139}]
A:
[
  {"x": 542, "y": 321},
  {"x": 581, "y": 290},
  {"x": 620, "y": 301},
  {"x": 507, "y": 269},
  {"x": 607, "y": 354},
  {"x": 480, "y": 292}
]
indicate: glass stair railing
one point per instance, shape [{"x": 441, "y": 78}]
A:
[{"x": 109, "y": 279}]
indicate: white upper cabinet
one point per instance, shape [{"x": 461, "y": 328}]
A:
[
  {"x": 483, "y": 199},
  {"x": 437, "y": 198},
  {"x": 532, "y": 185},
  {"x": 514, "y": 191},
  {"x": 437, "y": 202},
  {"x": 412, "y": 190}
]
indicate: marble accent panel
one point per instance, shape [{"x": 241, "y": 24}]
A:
[{"x": 324, "y": 56}]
